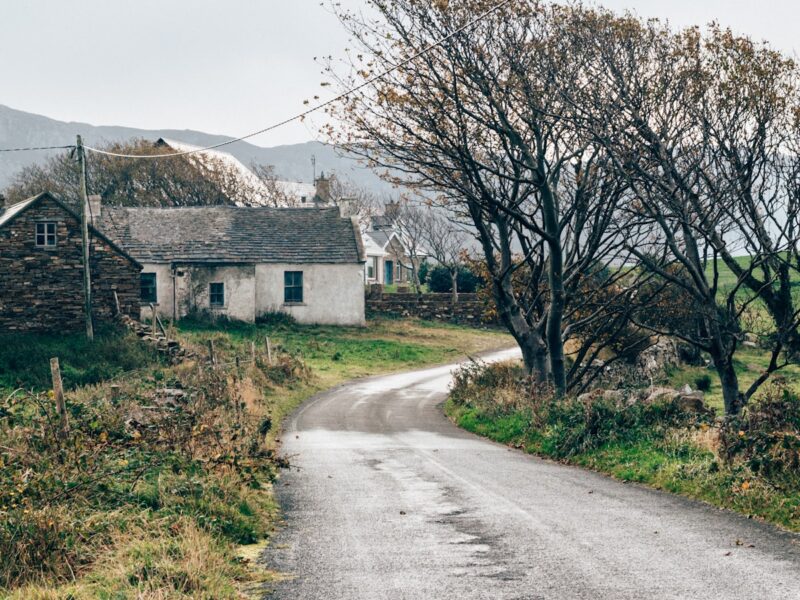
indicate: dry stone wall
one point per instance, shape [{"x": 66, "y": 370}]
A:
[
  {"x": 41, "y": 289},
  {"x": 435, "y": 307}
]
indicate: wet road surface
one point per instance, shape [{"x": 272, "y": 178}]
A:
[{"x": 391, "y": 501}]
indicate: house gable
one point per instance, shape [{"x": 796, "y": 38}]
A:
[{"x": 42, "y": 283}]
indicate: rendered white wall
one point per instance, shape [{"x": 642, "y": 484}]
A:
[{"x": 332, "y": 294}]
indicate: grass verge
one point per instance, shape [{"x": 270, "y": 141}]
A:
[
  {"x": 751, "y": 466},
  {"x": 162, "y": 484}
]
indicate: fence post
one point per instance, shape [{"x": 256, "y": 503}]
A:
[
  {"x": 58, "y": 392},
  {"x": 211, "y": 354},
  {"x": 269, "y": 351},
  {"x": 253, "y": 352},
  {"x": 155, "y": 320}
]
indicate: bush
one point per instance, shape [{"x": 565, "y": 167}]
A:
[
  {"x": 423, "y": 271},
  {"x": 564, "y": 427},
  {"x": 703, "y": 383},
  {"x": 440, "y": 282},
  {"x": 767, "y": 435}
]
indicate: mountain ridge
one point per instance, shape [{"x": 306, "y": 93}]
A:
[{"x": 291, "y": 162}]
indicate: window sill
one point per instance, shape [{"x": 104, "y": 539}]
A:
[
  {"x": 219, "y": 308},
  {"x": 290, "y": 304}
]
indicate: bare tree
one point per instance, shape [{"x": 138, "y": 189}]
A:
[
  {"x": 480, "y": 121},
  {"x": 273, "y": 191},
  {"x": 689, "y": 127},
  {"x": 411, "y": 221},
  {"x": 177, "y": 181},
  {"x": 445, "y": 242}
]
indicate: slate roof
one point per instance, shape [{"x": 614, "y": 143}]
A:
[
  {"x": 229, "y": 234},
  {"x": 381, "y": 238}
]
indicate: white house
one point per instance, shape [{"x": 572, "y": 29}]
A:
[
  {"x": 388, "y": 260},
  {"x": 244, "y": 262}
]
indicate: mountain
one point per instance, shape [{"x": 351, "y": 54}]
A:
[{"x": 20, "y": 129}]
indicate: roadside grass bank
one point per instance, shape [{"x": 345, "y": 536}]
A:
[
  {"x": 750, "y": 465},
  {"x": 160, "y": 485},
  {"x": 334, "y": 355}
]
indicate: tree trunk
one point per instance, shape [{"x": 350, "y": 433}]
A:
[
  {"x": 734, "y": 401},
  {"x": 454, "y": 279},
  {"x": 534, "y": 355},
  {"x": 555, "y": 278}
]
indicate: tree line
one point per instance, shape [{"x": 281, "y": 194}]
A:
[{"x": 609, "y": 167}]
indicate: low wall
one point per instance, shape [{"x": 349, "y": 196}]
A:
[{"x": 435, "y": 307}]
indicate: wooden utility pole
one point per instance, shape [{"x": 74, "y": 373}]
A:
[{"x": 87, "y": 274}]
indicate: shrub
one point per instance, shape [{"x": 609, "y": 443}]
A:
[
  {"x": 564, "y": 427},
  {"x": 276, "y": 319},
  {"x": 423, "y": 271},
  {"x": 703, "y": 383},
  {"x": 440, "y": 282},
  {"x": 766, "y": 437}
]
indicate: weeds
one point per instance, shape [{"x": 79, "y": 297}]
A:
[{"x": 751, "y": 464}]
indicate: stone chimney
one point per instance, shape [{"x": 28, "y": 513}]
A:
[
  {"x": 2, "y": 203},
  {"x": 95, "y": 208},
  {"x": 347, "y": 208},
  {"x": 323, "y": 189}
]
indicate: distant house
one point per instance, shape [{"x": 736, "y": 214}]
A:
[
  {"x": 244, "y": 262},
  {"x": 388, "y": 260},
  {"x": 41, "y": 274}
]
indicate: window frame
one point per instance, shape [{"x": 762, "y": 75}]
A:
[
  {"x": 46, "y": 235},
  {"x": 154, "y": 298},
  {"x": 293, "y": 281},
  {"x": 212, "y": 294}
]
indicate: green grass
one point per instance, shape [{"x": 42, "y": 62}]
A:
[
  {"x": 748, "y": 466},
  {"x": 727, "y": 280},
  {"x": 750, "y": 363},
  {"x": 338, "y": 353},
  {"x": 25, "y": 358},
  {"x": 171, "y": 509}
]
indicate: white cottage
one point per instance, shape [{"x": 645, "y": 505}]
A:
[{"x": 245, "y": 262}]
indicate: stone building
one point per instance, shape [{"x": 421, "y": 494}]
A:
[
  {"x": 41, "y": 269},
  {"x": 241, "y": 263}
]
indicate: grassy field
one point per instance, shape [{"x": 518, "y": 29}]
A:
[
  {"x": 727, "y": 279},
  {"x": 146, "y": 500},
  {"x": 750, "y": 363}
]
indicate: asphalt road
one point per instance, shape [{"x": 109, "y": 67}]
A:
[{"x": 390, "y": 500}]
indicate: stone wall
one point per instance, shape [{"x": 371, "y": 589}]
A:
[
  {"x": 41, "y": 289},
  {"x": 436, "y": 307}
]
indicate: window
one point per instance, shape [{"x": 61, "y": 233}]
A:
[
  {"x": 149, "y": 293},
  {"x": 372, "y": 267},
  {"x": 293, "y": 287},
  {"x": 45, "y": 235},
  {"x": 216, "y": 294}
]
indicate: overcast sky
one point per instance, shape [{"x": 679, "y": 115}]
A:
[{"x": 229, "y": 66}]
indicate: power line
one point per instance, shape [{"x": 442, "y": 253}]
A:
[
  {"x": 318, "y": 107},
  {"x": 37, "y": 148}
]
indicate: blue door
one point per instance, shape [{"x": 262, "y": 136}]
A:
[{"x": 389, "y": 270}]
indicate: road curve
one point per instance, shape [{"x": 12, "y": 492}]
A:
[{"x": 390, "y": 500}]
